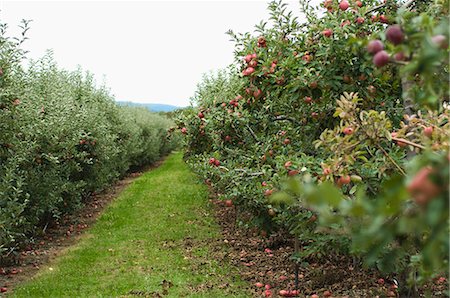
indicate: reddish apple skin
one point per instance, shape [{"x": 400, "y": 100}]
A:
[
  {"x": 327, "y": 171},
  {"x": 184, "y": 130},
  {"x": 384, "y": 19},
  {"x": 217, "y": 162},
  {"x": 212, "y": 161},
  {"x": 327, "y": 32},
  {"x": 253, "y": 63},
  {"x": 381, "y": 59},
  {"x": 422, "y": 188},
  {"x": 440, "y": 41},
  {"x": 344, "y": 180},
  {"x": 359, "y": 3},
  {"x": 380, "y": 281},
  {"x": 268, "y": 192},
  {"x": 229, "y": 203},
  {"x": 343, "y": 5},
  {"x": 428, "y": 131},
  {"x": 259, "y": 285},
  {"x": 293, "y": 173},
  {"x": 287, "y": 164},
  {"x": 395, "y": 34},
  {"x": 248, "y": 58},
  {"x": 400, "y": 56},
  {"x": 308, "y": 100},
  {"x": 200, "y": 115},
  {"x": 360, "y": 20},
  {"x": 348, "y": 130},
  {"x": 286, "y": 141},
  {"x": 313, "y": 85},
  {"x": 3, "y": 289}
]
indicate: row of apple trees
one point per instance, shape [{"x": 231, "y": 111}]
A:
[
  {"x": 61, "y": 138},
  {"x": 336, "y": 130}
]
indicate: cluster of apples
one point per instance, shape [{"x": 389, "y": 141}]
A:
[
  {"x": 252, "y": 62},
  {"x": 214, "y": 162},
  {"x": 395, "y": 35}
]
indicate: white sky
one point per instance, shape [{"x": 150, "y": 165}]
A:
[{"x": 144, "y": 51}]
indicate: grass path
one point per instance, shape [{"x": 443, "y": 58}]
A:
[{"x": 141, "y": 246}]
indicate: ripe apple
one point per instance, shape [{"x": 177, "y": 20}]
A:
[
  {"x": 359, "y": 3},
  {"x": 343, "y": 5},
  {"x": 184, "y": 130},
  {"x": 308, "y": 99},
  {"x": 400, "y": 56},
  {"x": 315, "y": 296},
  {"x": 287, "y": 164},
  {"x": 293, "y": 173},
  {"x": 200, "y": 115},
  {"x": 384, "y": 19},
  {"x": 327, "y": 294},
  {"x": 250, "y": 70},
  {"x": 268, "y": 192},
  {"x": 306, "y": 58},
  {"x": 248, "y": 58},
  {"x": 360, "y": 20},
  {"x": 229, "y": 203},
  {"x": 286, "y": 141},
  {"x": 254, "y": 56},
  {"x": 268, "y": 293},
  {"x": 422, "y": 188},
  {"x": 440, "y": 41},
  {"x": 428, "y": 131},
  {"x": 344, "y": 180},
  {"x": 212, "y": 160},
  {"x": 257, "y": 93},
  {"x": 253, "y": 63},
  {"x": 345, "y": 23},
  {"x": 395, "y": 34},
  {"x": 227, "y": 138},
  {"x": 3, "y": 289},
  {"x": 380, "y": 281},
  {"x": 267, "y": 287},
  {"x": 217, "y": 162},
  {"x": 327, "y": 32},
  {"x": 381, "y": 59},
  {"x": 283, "y": 293},
  {"x": 264, "y": 183},
  {"x": 348, "y": 130},
  {"x": 259, "y": 284},
  {"x": 313, "y": 85},
  {"x": 327, "y": 171}
]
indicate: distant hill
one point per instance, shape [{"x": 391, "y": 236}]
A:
[{"x": 154, "y": 107}]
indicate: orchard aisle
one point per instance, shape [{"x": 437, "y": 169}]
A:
[{"x": 149, "y": 242}]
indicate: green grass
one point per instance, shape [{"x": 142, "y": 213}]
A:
[{"x": 142, "y": 239}]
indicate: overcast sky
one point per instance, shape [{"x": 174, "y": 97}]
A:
[{"x": 144, "y": 51}]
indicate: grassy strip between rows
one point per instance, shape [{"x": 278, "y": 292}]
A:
[{"x": 138, "y": 246}]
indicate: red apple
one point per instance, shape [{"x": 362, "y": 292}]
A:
[
  {"x": 257, "y": 93},
  {"x": 3, "y": 289},
  {"x": 287, "y": 164},
  {"x": 184, "y": 130},
  {"x": 253, "y": 63},
  {"x": 327, "y": 171},
  {"x": 345, "y": 23},
  {"x": 344, "y": 180},
  {"x": 428, "y": 131},
  {"x": 229, "y": 203},
  {"x": 440, "y": 41},
  {"x": 359, "y": 3},
  {"x": 315, "y": 296},
  {"x": 380, "y": 281},
  {"x": 267, "y": 287},
  {"x": 384, "y": 19},
  {"x": 293, "y": 173},
  {"x": 360, "y": 20},
  {"x": 264, "y": 183},
  {"x": 283, "y": 293},
  {"x": 200, "y": 115},
  {"x": 259, "y": 285},
  {"x": 212, "y": 160},
  {"x": 308, "y": 99},
  {"x": 268, "y": 192},
  {"x": 381, "y": 59},
  {"x": 313, "y": 85},
  {"x": 422, "y": 188},
  {"x": 348, "y": 130},
  {"x": 286, "y": 141},
  {"x": 375, "y": 46},
  {"x": 248, "y": 58},
  {"x": 268, "y": 293},
  {"x": 327, "y": 294},
  {"x": 343, "y": 5},
  {"x": 400, "y": 56},
  {"x": 327, "y": 32},
  {"x": 250, "y": 70},
  {"x": 395, "y": 34},
  {"x": 217, "y": 162}
]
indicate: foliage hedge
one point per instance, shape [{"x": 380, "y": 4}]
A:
[
  {"x": 311, "y": 133},
  {"x": 62, "y": 138}
]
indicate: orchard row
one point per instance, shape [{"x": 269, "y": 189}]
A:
[
  {"x": 337, "y": 131},
  {"x": 62, "y": 139}
]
